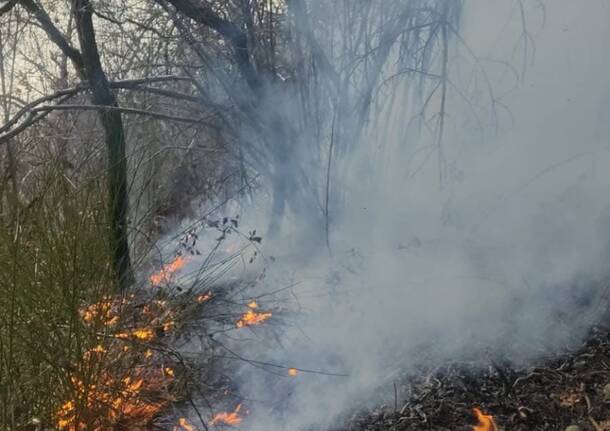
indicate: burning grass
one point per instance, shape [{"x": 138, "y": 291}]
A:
[
  {"x": 570, "y": 390},
  {"x": 228, "y": 418},
  {"x": 120, "y": 383},
  {"x": 168, "y": 271},
  {"x": 78, "y": 355}
]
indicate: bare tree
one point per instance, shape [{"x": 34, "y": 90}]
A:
[{"x": 291, "y": 84}]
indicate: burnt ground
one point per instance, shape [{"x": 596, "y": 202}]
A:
[{"x": 572, "y": 389}]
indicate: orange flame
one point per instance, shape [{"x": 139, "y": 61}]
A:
[
  {"x": 119, "y": 397},
  {"x": 105, "y": 311},
  {"x": 251, "y": 317},
  {"x": 140, "y": 334},
  {"x": 292, "y": 372},
  {"x": 165, "y": 274},
  {"x": 97, "y": 349},
  {"x": 108, "y": 403},
  {"x": 486, "y": 422},
  {"x": 229, "y": 418},
  {"x": 203, "y": 297},
  {"x": 184, "y": 425}
]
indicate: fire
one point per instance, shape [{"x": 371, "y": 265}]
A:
[
  {"x": 486, "y": 422},
  {"x": 109, "y": 402},
  {"x": 97, "y": 349},
  {"x": 140, "y": 334},
  {"x": 165, "y": 274},
  {"x": 184, "y": 425},
  {"x": 106, "y": 311},
  {"x": 169, "y": 325},
  {"x": 229, "y": 418},
  {"x": 252, "y": 317},
  {"x": 131, "y": 389},
  {"x": 203, "y": 297},
  {"x": 292, "y": 372}
]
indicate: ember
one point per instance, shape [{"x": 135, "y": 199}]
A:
[
  {"x": 228, "y": 418},
  {"x": 292, "y": 372},
  {"x": 486, "y": 422},
  {"x": 165, "y": 274}
]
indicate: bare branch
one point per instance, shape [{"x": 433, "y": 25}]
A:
[
  {"x": 55, "y": 35},
  {"x": 124, "y": 110},
  {"x": 5, "y": 8},
  {"x": 128, "y": 84},
  {"x": 238, "y": 39}
]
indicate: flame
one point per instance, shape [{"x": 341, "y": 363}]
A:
[
  {"x": 140, "y": 334},
  {"x": 292, "y": 372},
  {"x": 184, "y": 425},
  {"x": 108, "y": 403},
  {"x": 169, "y": 325},
  {"x": 121, "y": 396},
  {"x": 97, "y": 349},
  {"x": 486, "y": 422},
  {"x": 203, "y": 297},
  {"x": 106, "y": 311},
  {"x": 165, "y": 274},
  {"x": 229, "y": 418},
  {"x": 252, "y": 317}
]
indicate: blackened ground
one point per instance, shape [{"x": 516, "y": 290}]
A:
[{"x": 573, "y": 389}]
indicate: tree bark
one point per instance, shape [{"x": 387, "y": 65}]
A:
[{"x": 115, "y": 141}]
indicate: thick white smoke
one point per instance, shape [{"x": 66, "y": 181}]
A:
[{"x": 509, "y": 251}]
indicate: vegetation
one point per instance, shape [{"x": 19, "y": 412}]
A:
[
  {"x": 116, "y": 115},
  {"x": 54, "y": 257}
]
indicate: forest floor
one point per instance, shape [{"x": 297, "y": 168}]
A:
[{"x": 570, "y": 392}]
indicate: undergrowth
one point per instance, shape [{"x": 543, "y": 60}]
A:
[{"x": 72, "y": 348}]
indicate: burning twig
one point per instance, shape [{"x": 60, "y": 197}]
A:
[
  {"x": 165, "y": 274},
  {"x": 228, "y": 418},
  {"x": 252, "y": 317}
]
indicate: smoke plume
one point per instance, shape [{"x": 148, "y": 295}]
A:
[{"x": 486, "y": 239}]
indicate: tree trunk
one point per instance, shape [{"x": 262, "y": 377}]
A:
[{"x": 115, "y": 141}]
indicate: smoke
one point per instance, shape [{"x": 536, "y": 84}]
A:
[{"x": 496, "y": 249}]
